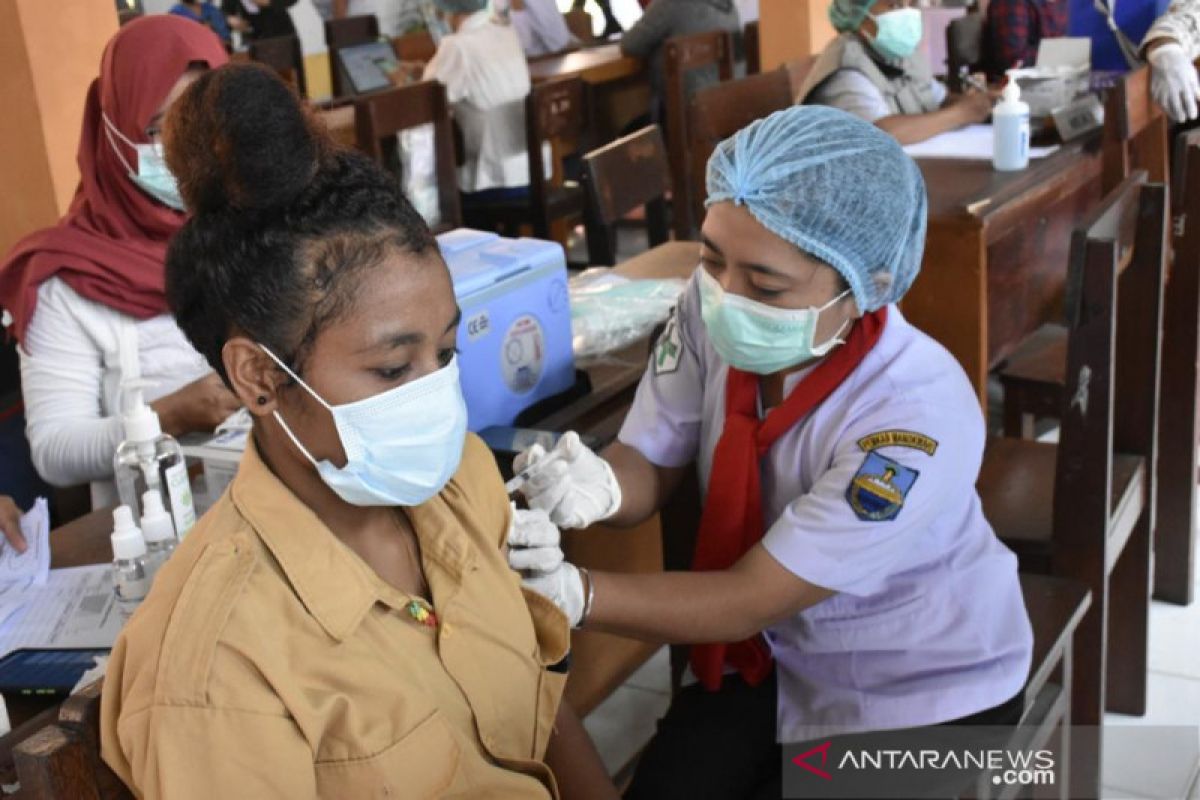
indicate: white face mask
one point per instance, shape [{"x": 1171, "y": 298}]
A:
[
  {"x": 402, "y": 446},
  {"x": 152, "y": 175}
]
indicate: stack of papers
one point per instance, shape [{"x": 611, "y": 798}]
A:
[
  {"x": 972, "y": 143},
  {"x": 62, "y": 608}
]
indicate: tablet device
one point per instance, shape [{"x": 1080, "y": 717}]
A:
[
  {"x": 44, "y": 672},
  {"x": 368, "y": 65}
]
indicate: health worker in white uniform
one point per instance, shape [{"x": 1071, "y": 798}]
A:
[{"x": 844, "y": 579}]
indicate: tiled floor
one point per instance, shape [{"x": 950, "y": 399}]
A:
[{"x": 1169, "y": 770}]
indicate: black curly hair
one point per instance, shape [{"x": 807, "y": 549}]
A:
[{"x": 283, "y": 220}]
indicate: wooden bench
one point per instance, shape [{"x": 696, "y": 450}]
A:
[
  {"x": 1034, "y": 377},
  {"x": 1084, "y": 509},
  {"x": 282, "y": 54},
  {"x": 346, "y": 32},
  {"x": 717, "y": 112},
  {"x": 624, "y": 175},
  {"x": 682, "y": 55},
  {"x": 557, "y": 115},
  {"x": 378, "y": 118},
  {"x": 61, "y": 761}
]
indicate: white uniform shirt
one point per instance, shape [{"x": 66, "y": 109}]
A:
[
  {"x": 486, "y": 77},
  {"x": 71, "y": 381},
  {"x": 928, "y": 623}
]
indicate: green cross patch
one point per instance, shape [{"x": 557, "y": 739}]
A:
[{"x": 669, "y": 350}]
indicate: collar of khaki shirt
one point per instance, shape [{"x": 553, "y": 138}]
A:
[{"x": 336, "y": 586}]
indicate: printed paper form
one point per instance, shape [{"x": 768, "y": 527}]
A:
[
  {"x": 31, "y": 567},
  {"x": 76, "y": 607},
  {"x": 972, "y": 143}
]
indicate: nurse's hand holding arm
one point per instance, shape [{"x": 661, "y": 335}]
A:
[{"x": 682, "y": 607}]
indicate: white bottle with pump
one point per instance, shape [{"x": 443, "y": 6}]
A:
[
  {"x": 1010, "y": 130},
  {"x": 130, "y": 579},
  {"x": 148, "y": 460},
  {"x": 159, "y": 532}
]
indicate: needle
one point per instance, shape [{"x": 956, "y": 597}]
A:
[{"x": 522, "y": 477}]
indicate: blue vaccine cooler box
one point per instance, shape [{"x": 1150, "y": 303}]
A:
[{"x": 515, "y": 337}]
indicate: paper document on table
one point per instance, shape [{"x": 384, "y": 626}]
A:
[
  {"x": 31, "y": 567},
  {"x": 76, "y": 608},
  {"x": 972, "y": 143}
]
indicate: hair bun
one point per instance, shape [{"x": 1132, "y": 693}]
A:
[{"x": 239, "y": 139}]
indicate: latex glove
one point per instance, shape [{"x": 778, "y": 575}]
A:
[
  {"x": 1174, "y": 83},
  {"x": 562, "y": 586},
  {"x": 576, "y": 490},
  {"x": 533, "y": 541}
]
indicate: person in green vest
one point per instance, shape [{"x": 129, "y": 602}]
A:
[{"x": 873, "y": 71}]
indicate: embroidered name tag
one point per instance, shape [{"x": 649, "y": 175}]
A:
[
  {"x": 915, "y": 441},
  {"x": 877, "y": 491}
]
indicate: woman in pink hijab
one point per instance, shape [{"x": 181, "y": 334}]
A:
[{"x": 86, "y": 295}]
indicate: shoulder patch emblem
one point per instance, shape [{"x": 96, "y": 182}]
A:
[
  {"x": 878, "y": 490},
  {"x": 896, "y": 438},
  {"x": 669, "y": 349}
]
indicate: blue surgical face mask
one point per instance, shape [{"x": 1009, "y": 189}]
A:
[
  {"x": 897, "y": 33},
  {"x": 759, "y": 338},
  {"x": 402, "y": 446},
  {"x": 152, "y": 175}
]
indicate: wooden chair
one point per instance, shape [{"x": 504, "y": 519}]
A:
[
  {"x": 753, "y": 48},
  {"x": 556, "y": 112},
  {"x": 964, "y": 47},
  {"x": 282, "y": 54},
  {"x": 345, "y": 32},
  {"x": 61, "y": 761},
  {"x": 681, "y": 55},
  {"x": 721, "y": 110},
  {"x": 378, "y": 118},
  {"x": 1084, "y": 509},
  {"x": 1034, "y": 379},
  {"x": 579, "y": 23},
  {"x": 629, "y": 173}
]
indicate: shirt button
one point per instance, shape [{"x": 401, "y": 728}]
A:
[{"x": 447, "y": 631}]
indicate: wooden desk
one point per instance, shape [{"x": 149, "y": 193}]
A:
[
  {"x": 996, "y": 253},
  {"x": 601, "y": 64}
]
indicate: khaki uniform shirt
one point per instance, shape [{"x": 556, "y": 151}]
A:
[{"x": 270, "y": 661}]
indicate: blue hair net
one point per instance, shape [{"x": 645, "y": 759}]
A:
[
  {"x": 461, "y": 6},
  {"x": 847, "y": 15},
  {"x": 838, "y": 188}
]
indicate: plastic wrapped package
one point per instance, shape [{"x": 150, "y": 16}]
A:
[{"x": 610, "y": 312}]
